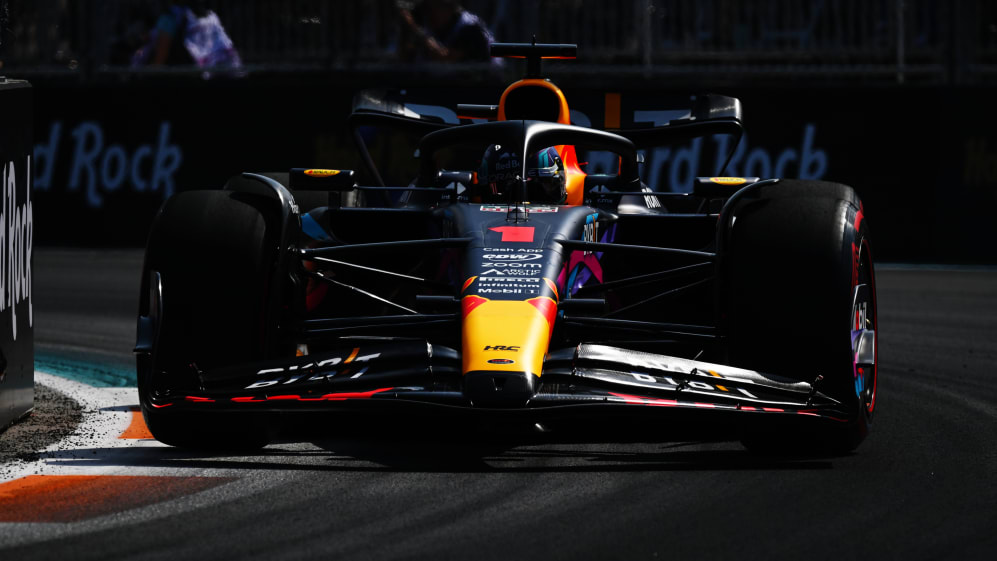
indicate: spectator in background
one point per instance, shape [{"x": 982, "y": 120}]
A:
[
  {"x": 188, "y": 34},
  {"x": 441, "y": 30},
  {"x": 131, "y": 32},
  {"x": 4, "y": 19}
]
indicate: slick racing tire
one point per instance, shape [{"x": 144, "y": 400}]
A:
[
  {"x": 798, "y": 295},
  {"x": 212, "y": 253}
]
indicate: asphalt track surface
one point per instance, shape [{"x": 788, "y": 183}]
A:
[{"x": 920, "y": 487}]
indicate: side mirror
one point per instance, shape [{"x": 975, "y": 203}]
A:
[
  {"x": 445, "y": 178},
  {"x": 471, "y": 111}
]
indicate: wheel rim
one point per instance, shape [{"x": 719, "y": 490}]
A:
[{"x": 863, "y": 332}]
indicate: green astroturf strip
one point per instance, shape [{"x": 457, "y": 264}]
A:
[{"x": 92, "y": 373}]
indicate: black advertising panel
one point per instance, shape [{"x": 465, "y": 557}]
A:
[
  {"x": 16, "y": 238},
  {"x": 106, "y": 156}
]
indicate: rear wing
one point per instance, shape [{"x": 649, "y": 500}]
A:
[
  {"x": 688, "y": 118},
  {"x": 706, "y": 115},
  {"x": 384, "y": 108}
]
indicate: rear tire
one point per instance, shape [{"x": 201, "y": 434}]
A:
[
  {"x": 796, "y": 281},
  {"x": 214, "y": 253}
]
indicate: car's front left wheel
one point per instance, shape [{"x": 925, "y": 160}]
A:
[{"x": 208, "y": 270}]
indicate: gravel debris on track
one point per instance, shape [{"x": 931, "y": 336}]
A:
[{"x": 54, "y": 417}]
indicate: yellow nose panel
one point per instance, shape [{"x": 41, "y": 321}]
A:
[{"x": 507, "y": 335}]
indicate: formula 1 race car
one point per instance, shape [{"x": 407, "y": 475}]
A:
[{"x": 507, "y": 283}]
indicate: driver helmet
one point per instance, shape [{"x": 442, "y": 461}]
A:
[{"x": 499, "y": 176}]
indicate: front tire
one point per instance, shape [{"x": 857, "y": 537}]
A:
[
  {"x": 212, "y": 254},
  {"x": 798, "y": 293}
]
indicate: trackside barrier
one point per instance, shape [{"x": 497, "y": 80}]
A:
[{"x": 17, "y": 370}]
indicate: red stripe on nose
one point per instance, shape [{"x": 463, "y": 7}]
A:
[{"x": 469, "y": 303}]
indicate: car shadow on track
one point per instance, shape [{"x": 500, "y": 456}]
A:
[
  {"x": 559, "y": 457},
  {"x": 447, "y": 456}
]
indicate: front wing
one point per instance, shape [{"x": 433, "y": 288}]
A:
[{"x": 401, "y": 375}]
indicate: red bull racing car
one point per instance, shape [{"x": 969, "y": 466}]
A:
[{"x": 505, "y": 282}]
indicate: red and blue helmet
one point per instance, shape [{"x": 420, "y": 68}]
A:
[{"x": 500, "y": 176}]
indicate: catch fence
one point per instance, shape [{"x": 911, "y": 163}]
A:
[{"x": 852, "y": 40}]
